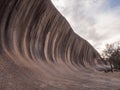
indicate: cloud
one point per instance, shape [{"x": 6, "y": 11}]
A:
[{"x": 94, "y": 20}]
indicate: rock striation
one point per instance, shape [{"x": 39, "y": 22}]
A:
[{"x": 40, "y": 51}]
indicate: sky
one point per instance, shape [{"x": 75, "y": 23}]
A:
[{"x": 97, "y": 21}]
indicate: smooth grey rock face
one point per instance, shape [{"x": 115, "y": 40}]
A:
[{"x": 40, "y": 51}]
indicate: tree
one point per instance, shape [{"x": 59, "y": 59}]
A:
[{"x": 112, "y": 55}]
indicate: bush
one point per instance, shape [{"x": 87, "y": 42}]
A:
[{"x": 112, "y": 55}]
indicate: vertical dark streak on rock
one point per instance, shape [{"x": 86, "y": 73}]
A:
[{"x": 7, "y": 33}]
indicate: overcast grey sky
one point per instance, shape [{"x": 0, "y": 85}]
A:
[{"x": 97, "y": 21}]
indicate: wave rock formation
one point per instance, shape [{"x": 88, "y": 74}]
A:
[{"x": 40, "y": 51}]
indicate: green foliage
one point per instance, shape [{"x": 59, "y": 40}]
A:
[{"x": 112, "y": 55}]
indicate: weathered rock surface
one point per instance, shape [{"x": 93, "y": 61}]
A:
[{"x": 40, "y": 51}]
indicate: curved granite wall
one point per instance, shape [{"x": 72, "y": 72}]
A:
[{"x": 37, "y": 43}]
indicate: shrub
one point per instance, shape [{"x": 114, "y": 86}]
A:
[{"x": 112, "y": 55}]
